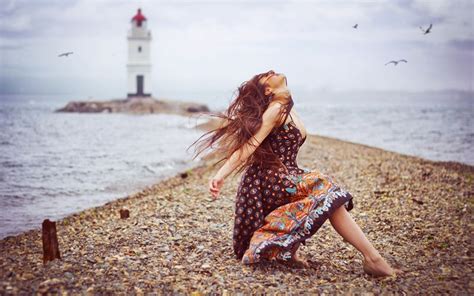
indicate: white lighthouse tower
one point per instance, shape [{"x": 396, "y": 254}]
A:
[{"x": 139, "y": 63}]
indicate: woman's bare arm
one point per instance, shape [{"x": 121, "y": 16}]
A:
[{"x": 269, "y": 119}]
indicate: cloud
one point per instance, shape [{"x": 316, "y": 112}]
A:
[
  {"x": 465, "y": 44},
  {"x": 15, "y": 24},
  {"x": 11, "y": 44},
  {"x": 214, "y": 45},
  {"x": 23, "y": 19}
]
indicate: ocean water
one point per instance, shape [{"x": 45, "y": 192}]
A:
[
  {"x": 433, "y": 125},
  {"x": 54, "y": 164}
]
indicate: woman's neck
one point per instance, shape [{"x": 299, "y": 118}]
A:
[
  {"x": 281, "y": 93},
  {"x": 281, "y": 89}
]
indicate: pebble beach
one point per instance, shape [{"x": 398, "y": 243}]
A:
[{"x": 178, "y": 240}]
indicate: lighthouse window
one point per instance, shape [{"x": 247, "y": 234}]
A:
[{"x": 139, "y": 49}]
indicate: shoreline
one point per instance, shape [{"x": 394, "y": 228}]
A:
[
  {"x": 453, "y": 164},
  {"x": 205, "y": 163},
  {"x": 403, "y": 203},
  {"x": 214, "y": 123},
  {"x": 133, "y": 192}
]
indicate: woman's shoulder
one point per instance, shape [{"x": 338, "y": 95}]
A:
[
  {"x": 276, "y": 109},
  {"x": 274, "y": 115}
]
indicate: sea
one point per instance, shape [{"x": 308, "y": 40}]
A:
[{"x": 53, "y": 164}]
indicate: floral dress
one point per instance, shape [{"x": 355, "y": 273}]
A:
[{"x": 272, "y": 213}]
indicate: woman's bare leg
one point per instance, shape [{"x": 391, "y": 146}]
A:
[{"x": 374, "y": 264}]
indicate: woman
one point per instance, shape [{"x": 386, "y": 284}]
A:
[{"x": 278, "y": 204}]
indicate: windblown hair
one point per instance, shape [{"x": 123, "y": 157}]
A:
[{"x": 240, "y": 122}]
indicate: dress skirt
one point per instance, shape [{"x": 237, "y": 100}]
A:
[{"x": 311, "y": 203}]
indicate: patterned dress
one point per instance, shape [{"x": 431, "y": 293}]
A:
[{"x": 272, "y": 213}]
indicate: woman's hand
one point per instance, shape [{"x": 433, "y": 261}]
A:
[{"x": 215, "y": 185}]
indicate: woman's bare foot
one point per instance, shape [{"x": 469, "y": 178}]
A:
[
  {"x": 295, "y": 262},
  {"x": 300, "y": 262},
  {"x": 378, "y": 267}
]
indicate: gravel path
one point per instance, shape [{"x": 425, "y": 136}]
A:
[{"x": 178, "y": 241}]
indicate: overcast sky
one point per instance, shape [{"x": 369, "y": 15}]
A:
[{"x": 210, "y": 47}]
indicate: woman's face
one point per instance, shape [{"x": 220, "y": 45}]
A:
[{"x": 272, "y": 80}]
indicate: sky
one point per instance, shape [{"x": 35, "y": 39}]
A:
[{"x": 211, "y": 47}]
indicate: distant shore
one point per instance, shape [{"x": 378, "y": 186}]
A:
[{"x": 178, "y": 240}]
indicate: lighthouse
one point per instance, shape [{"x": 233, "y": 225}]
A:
[{"x": 139, "y": 62}]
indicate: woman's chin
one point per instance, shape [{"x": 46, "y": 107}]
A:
[{"x": 282, "y": 79}]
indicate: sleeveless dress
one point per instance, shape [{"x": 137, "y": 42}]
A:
[{"x": 276, "y": 209}]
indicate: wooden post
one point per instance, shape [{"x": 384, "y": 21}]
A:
[
  {"x": 124, "y": 214},
  {"x": 50, "y": 241}
]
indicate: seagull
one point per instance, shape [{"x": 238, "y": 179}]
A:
[
  {"x": 427, "y": 30},
  {"x": 65, "y": 54},
  {"x": 355, "y": 26},
  {"x": 396, "y": 62}
]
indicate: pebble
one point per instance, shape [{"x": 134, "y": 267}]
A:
[{"x": 181, "y": 244}]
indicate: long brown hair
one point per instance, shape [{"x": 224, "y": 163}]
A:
[{"x": 240, "y": 122}]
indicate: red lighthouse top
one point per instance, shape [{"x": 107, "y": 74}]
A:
[{"x": 139, "y": 17}]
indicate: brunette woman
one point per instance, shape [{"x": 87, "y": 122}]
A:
[{"x": 278, "y": 204}]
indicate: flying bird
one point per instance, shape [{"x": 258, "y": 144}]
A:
[
  {"x": 396, "y": 62},
  {"x": 65, "y": 54},
  {"x": 355, "y": 26},
  {"x": 427, "y": 30}
]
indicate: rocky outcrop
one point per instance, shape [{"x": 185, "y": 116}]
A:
[{"x": 135, "y": 105}]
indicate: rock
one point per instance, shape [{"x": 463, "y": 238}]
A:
[
  {"x": 135, "y": 105},
  {"x": 69, "y": 275},
  {"x": 48, "y": 284},
  {"x": 182, "y": 240},
  {"x": 200, "y": 108}
]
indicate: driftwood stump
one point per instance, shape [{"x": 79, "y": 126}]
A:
[
  {"x": 50, "y": 241},
  {"x": 124, "y": 214}
]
